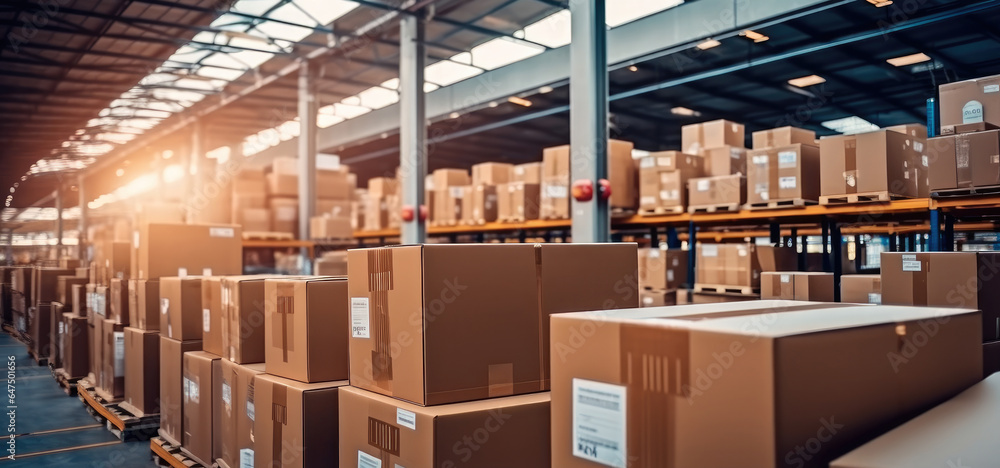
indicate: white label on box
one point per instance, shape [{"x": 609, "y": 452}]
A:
[
  {"x": 227, "y": 393},
  {"x": 665, "y": 161},
  {"x": 972, "y": 112},
  {"x": 742, "y": 251},
  {"x": 673, "y": 194},
  {"x": 670, "y": 275},
  {"x": 760, "y": 160},
  {"x": 62, "y": 328},
  {"x": 250, "y": 410},
  {"x": 206, "y": 272},
  {"x": 407, "y": 419},
  {"x": 787, "y": 182},
  {"x": 787, "y": 159},
  {"x": 246, "y": 458},
  {"x": 518, "y": 170},
  {"x": 182, "y": 272},
  {"x": 119, "y": 338},
  {"x": 556, "y": 191},
  {"x": 170, "y": 330},
  {"x": 135, "y": 239},
  {"x": 206, "y": 320},
  {"x": 874, "y": 298},
  {"x": 991, "y": 89},
  {"x": 924, "y": 161},
  {"x": 164, "y": 305},
  {"x": 703, "y": 185},
  {"x": 599, "y": 430},
  {"x": 911, "y": 265},
  {"x": 786, "y": 278},
  {"x": 918, "y": 146},
  {"x": 909, "y": 257},
  {"x": 654, "y": 253},
  {"x": 647, "y": 300},
  {"x": 221, "y": 232},
  {"x": 193, "y": 392},
  {"x": 368, "y": 461},
  {"x": 648, "y": 200},
  {"x": 186, "y": 388},
  {"x": 761, "y": 189},
  {"x": 995, "y": 159},
  {"x": 709, "y": 250},
  {"x": 456, "y": 192},
  {"x": 646, "y": 163},
  {"x": 359, "y": 318}
]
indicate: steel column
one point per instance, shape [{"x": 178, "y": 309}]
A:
[
  {"x": 588, "y": 116},
  {"x": 775, "y": 233},
  {"x": 413, "y": 124},
  {"x": 654, "y": 237},
  {"x": 307, "y": 146},
  {"x": 673, "y": 242},
  {"x": 59, "y": 217},
  {"x": 803, "y": 255},
  {"x": 81, "y": 224},
  {"x": 935, "y": 234},
  {"x": 892, "y": 243},
  {"x": 932, "y": 117},
  {"x": 692, "y": 253}
]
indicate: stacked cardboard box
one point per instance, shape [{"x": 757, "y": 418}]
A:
[
  {"x": 555, "y": 190},
  {"x": 249, "y": 201},
  {"x": 721, "y": 144},
  {"x": 797, "y": 285},
  {"x": 180, "y": 330},
  {"x": 727, "y": 265},
  {"x": 783, "y": 166},
  {"x": 41, "y": 313},
  {"x": 449, "y": 193},
  {"x": 279, "y": 210},
  {"x": 382, "y": 196},
  {"x": 967, "y": 155},
  {"x": 520, "y": 200},
  {"x": 862, "y": 289},
  {"x": 480, "y": 199},
  {"x": 891, "y": 165},
  {"x": 661, "y": 272},
  {"x": 663, "y": 181},
  {"x": 142, "y": 348}
]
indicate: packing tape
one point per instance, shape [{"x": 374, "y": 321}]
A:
[
  {"x": 542, "y": 319},
  {"x": 285, "y": 307},
  {"x": 380, "y": 282},
  {"x": 851, "y": 165},
  {"x": 279, "y": 419},
  {"x": 963, "y": 168}
]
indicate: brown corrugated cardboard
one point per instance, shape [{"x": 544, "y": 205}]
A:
[
  {"x": 212, "y": 315},
  {"x": 376, "y": 213},
  {"x": 765, "y": 376},
  {"x": 236, "y": 406},
  {"x": 76, "y": 346},
  {"x": 487, "y": 303},
  {"x": 663, "y": 179},
  {"x": 862, "y": 289},
  {"x": 254, "y": 219},
  {"x": 622, "y": 175},
  {"x": 727, "y": 265},
  {"x": 189, "y": 249},
  {"x": 484, "y": 205},
  {"x": 887, "y": 164},
  {"x": 331, "y": 264},
  {"x": 784, "y": 136},
  {"x": 970, "y": 101},
  {"x": 725, "y": 160},
  {"x": 64, "y": 290},
  {"x": 118, "y": 301},
  {"x": 556, "y": 179},
  {"x": 309, "y": 323},
  {"x": 954, "y": 434},
  {"x": 713, "y": 134},
  {"x": 335, "y": 208},
  {"x": 243, "y": 305},
  {"x": 147, "y": 304},
  {"x": 501, "y": 432},
  {"x": 657, "y": 297},
  {"x": 297, "y": 426},
  {"x": 796, "y": 285},
  {"x": 946, "y": 279},
  {"x": 285, "y": 215},
  {"x": 529, "y": 173},
  {"x": 334, "y": 185},
  {"x": 202, "y": 379},
  {"x": 46, "y": 283},
  {"x": 918, "y": 131},
  {"x": 95, "y": 365},
  {"x": 282, "y": 185},
  {"x": 446, "y": 178},
  {"x": 113, "y": 355},
  {"x": 448, "y": 203},
  {"x": 142, "y": 370},
  {"x": 783, "y": 173},
  {"x": 492, "y": 173},
  {"x": 172, "y": 386},
  {"x": 285, "y": 165},
  {"x": 717, "y": 190},
  {"x": 181, "y": 313},
  {"x": 329, "y": 227},
  {"x": 961, "y": 161},
  {"x": 968, "y": 128},
  {"x": 518, "y": 201},
  {"x": 40, "y": 328},
  {"x": 56, "y": 328},
  {"x": 79, "y": 300},
  {"x": 774, "y": 258},
  {"x": 554, "y": 198},
  {"x": 382, "y": 187},
  {"x": 662, "y": 268}
]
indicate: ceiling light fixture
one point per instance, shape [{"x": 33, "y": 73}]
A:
[
  {"x": 633, "y": 68},
  {"x": 519, "y": 101},
  {"x": 708, "y": 44},
  {"x": 545, "y": 90},
  {"x": 754, "y": 35},
  {"x": 880, "y": 3},
  {"x": 807, "y": 81},
  {"x": 909, "y": 59},
  {"x": 684, "y": 111}
]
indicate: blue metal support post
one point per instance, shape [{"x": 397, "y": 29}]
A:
[
  {"x": 827, "y": 264},
  {"x": 948, "y": 243},
  {"x": 837, "y": 244},
  {"x": 692, "y": 253},
  {"x": 935, "y": 234},
  {"x": 673, "y": 241},
  {"x": 654, "y": 237},
  {"x": 775, "y": 233}
]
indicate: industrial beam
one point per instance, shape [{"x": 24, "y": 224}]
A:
[
  {"x": 307, "y": 146},
  {"x": 413, "y": 124}
]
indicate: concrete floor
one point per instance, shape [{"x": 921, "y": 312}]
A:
[{"x": 53, "y": 429}]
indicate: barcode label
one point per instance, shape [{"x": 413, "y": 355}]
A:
[
  {"x": 359, "y": 318},
  {"x": 368, "y": 461},
  {"x": 874, "y": 298},
  {"x": 599, "y": 429},
  {"x": 406, "y": 418}
]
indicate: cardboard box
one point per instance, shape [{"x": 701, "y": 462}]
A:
[
  {"x": 172, "y": 388},
  {"x": 483, "y": 205},
  {"x": 784, "y": 136},
  {"x": 195, "y": 249},
  {"x": 946, "y": 279},
  {"x": 282, "y": 185},
  {"x": 142, "y": 370},
  {"x": 243, "y": 304},
  {"x": 915, "y": 130},
  {"x": 717, "y": 133},
  {"x": 376, "y": 213},
  {"x": 661, "y": 268},
  {"x": 382, "y": 187},
  {"x": 441, "y": 436},
  {"x": 40, "y": 329},
  {"x": 202, "y": 419},
  {"x": 255, "y": 220},
  {"x": 657, "y": 297},
  {"x": 329, "y": 227},
  {"x": 118, "y": 301},
  {"x": 783, "y": 173},
  {"x": 862, "y": 289},
  {"x": 727, "y": 265},
  {"x": 448, "y": 203},
  {"x": 970, "y": 101},
  {"x": 775, "y": 258},
  {"x": 725, "y": 160},
  {"x": 487, "y": 302},
  {"x": 64, "y": 290},
  {"x": 146, "y": 306},
  {"x": 246, "y": 201},
  {"x": 334, "y": 185},
  {"x": 518, "y": 202},
  {"x": 95, "y": 338},
  {"x": 492, "y": 173},
  {"x": 298, "y": 422},
  {"x": 285, "y": 165},
  {"x": 555, "y": 203},
  {"x": 331, "y": 264},
  {"x": 56, "y": 331},
  {"x": 236, "y": 406},
  {"x": 309, "y": 322},
  {"x": 556, "y": 179},
  {"x": 796, "y": 285},
  {"x": 921, "y": 442},
  {"x": 99, "y": 306},
  {"x": 887, "y": 164},
  {"x": 717, "y": 190},
  {"x": 335, "y": 208},
  {"x": 529, "y": 173},
  {"x": 212, "y": 315},
  {"x": 962, "y": 161},
  {"x": 113, "y": 355},
  {"x": 447, "y": 178},
  {"x": 663, "y": 179},
  {"x": 46, "y": 283},
  {"x": 968, "y": 128},
  {"x": 765, "y": 376},
  {"x": 79, "y": 301},
  {"x": 181, "y": 313},
  {"x": 76, "y": 346},
  {"x": 285, "y": 215}
]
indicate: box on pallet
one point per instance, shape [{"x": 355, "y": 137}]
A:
[
  {"x": 718, "y": 190},
  {"x": 892, "y": 163},
  {"x": 518, "y": 202},
  {"x": 695, "y": 138},
  {"x": 236, "y": 405},
  {"x": 970, "y": 101},
  {"x": 297, "y": 422},
  {"x": 727, "y": 265},
  {"x": 862, "y": 289},
  {"x": 662, "y": 268},
  {"x": 963, "y": 161},
  {"x": 663, "y": 179},
  {"x": 202, "y": 378},
  {"x": 784, "y": 136},
  {"x": 780, "y": 173},
  {"x": 142, "y": 370},
  {"x": 797, "y": 285},
  {"x": 172, "y": 388}
]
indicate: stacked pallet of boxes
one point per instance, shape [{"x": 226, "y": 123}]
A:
[
  {"x": 107, "y": 317},
  {"x": 382, "y": 195},
  {"x": 663, "y": 180},
  {"x": 727, "y": 269},
  {"x": 520, "y": 199},
  {"x": 789, "y": 275},
  {"x": 414, "y": 309},
  {"x": 6, "y": 311},
  {"x": 20, "y": 295},
  {"x": 480, "y": 199},
  {"x": 555, "y": 190},
  {"x": 449, "y": 194},
  {"x": 662, "y": 272},
  {"x": 783, "y": 168},
  {"x": 45, "y": 307},
  {"x": 876, "y": 166},
  {"x": 250, "y": 208},
  {"x": 721, "y": 144},
  {"x": 966, "y": 158},
  {"x": 334, "y": 191},
  {"x": 69, "y": 291}
]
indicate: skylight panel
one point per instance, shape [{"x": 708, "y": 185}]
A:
[
  {"x": 620, "y": 12},
  {"x": 502, "y": 51},
  {"x": 348, "y": 111},
  {"x": 326, "y": 11},
  {"x": 553, "y": 31},
  {"x": 377, "y": 98},
  {"x": 445, "y": 73},
  {"x": 850, "y": 125}
]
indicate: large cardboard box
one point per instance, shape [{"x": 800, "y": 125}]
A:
[
  {"x": 447, "y": 178},
  {"x": 556, "y": 169},
  {"x": 946, "y": 279},
  {"x": 118, "y": 301},
  {"x": 713, "y": 134},
  {"x": 529, "y": 173},
  {"x": 309, "y": 323},
  {"x": 202, "y": 419},
  {"x": 862, "y": 289},
  {"x": 113, "y": 355},
  {"x": 236, "y": 406},
  {"x": 40, "y": 329},
  {"x": 195, "y": 249},
  {"x": 797, "y": 285},
  {"x": 142, "y": 370},
  {"x": 717, "y": 190},
  {"x": 64, "y": 290},
  {"x": 46, "y": 283},
  {"x": 334, "y": 185},
  {"x": 501, "y": 432},
  {"x": 172, "y": 388},
  {"x": 970, "y": 101},
  {"x": 331, "y": 227},
  {"x": 783, "y": 173},
  {"x": 79, "y": 301},
  {"x": 254, "y": 220},
  {"x": 381, "y": 187},
  {"x": 415, "y": 308},
  {"x": 777, "y": 258},
  {"x": 282, "y": 185},
  {"x": 518, "y": 202},
  {"x": 483, "y": 206},
  {"x": 783, "y": 136},
  {"x": 953, "y": 434},
  {"x": 661, "y": 268},
  {"x": 285, "y": 215},
  {"x": 727, "y": 265},
  {"x": 181, "y": 313},
  {"x": 331, "y": 264},
  {"x": 285, "y": 165},
  {"x": 725, "y": 160},
  {"x": 492, "y": 173},
  {"x": 448, "y": 203},
  {"x": 95, "y": 339},
  {"x": 660, "y": 387},
  {"x": 962, "y": 161},
  {"x": 76, "y": 346},
  {"x": 663, "y": 179},
  {"x": 297, "y": 426},
  {"x": 243, "y": 320},
  {"x": 376, "y": 213},
  {"x": 888, "y": 163},
  {"x": 144, "y": 304},
  {"x": 213, "y": 314},
  {"x": 657, "y": 297}
]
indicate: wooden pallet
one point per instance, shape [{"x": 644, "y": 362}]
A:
[
  {"x": 267, "y": 235},
  {"x": 779, "y": 204},
  {"x": 966, "y": 192},
  {"x": 866, "y": 197},
  {"x": 166, "y": 454},
  {"x": 714, "y": 208},
  {"x": 123, "y": 424},
  {"x": 41, "y": 361},
  {"x": 67, "y": 383},
  {"x": 662, "y": 211},
  {"x": 724, "y": 289}
]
